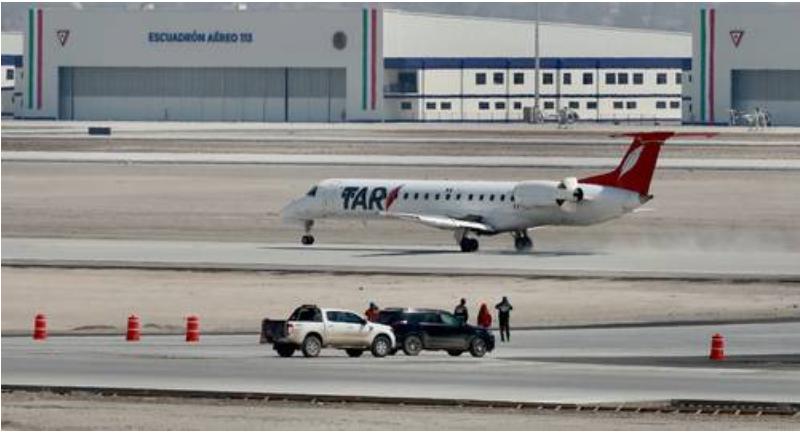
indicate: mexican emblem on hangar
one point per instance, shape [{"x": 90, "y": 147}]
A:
[
  {"x": 62, "y": 36},
  {"x": 736, "y": 37}
]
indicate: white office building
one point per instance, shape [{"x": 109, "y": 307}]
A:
[{"x": 333, "y": 66}]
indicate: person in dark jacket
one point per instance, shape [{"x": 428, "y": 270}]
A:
[
  {"x": 461, "y": 311},
  {"x": 484, "y": 317},
  {"x": 503, "y": 314}
]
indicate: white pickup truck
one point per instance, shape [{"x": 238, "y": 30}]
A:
[{"x": 311, "y": 328}]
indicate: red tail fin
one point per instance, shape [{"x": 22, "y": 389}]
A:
[{"x": 635, "y": 171}]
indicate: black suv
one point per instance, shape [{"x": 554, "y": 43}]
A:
[{"x": 428, "y": 329}]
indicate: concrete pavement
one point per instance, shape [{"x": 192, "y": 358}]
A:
[{"x": 578, "y": 366}]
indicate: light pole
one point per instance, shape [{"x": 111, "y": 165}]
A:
[{"x": 536, "y": 109}]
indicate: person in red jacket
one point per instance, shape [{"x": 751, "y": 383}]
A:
[
  {"x": 484, "y": 317},
  {"x": 372, "y": 312}
]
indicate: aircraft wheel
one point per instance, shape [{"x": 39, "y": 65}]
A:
[
  {"x": 307, "y": 240},
  {"x": 469, "y": 245},
  {"x": 523, "y": 244}
]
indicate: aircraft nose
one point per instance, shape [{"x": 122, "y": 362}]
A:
[{"x": 294, "y": 210}]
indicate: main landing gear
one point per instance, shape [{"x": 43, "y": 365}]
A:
[
  {"x": 467, "y": 245},
  {"x": 307, "y": 238},
  {"x": 521, "y": 241}
]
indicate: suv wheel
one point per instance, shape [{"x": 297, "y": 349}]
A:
[
  {"x": 284, "y": 351},
  {"x": 354, "y": 353},
  {"x": 311, "y": 346},
  {"x": 477, "y": 347},
  {"x": 454, "y": 352},
  {"x": 381, "y": 346},
  {"x": 412, "y": 345}
]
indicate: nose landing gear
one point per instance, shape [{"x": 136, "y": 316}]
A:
[
  {"x": 521, "y": 241},
  {"x": 307, "y": 238}
]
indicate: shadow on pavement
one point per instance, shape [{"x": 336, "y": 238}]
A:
[{"x": 778, "y": 361}]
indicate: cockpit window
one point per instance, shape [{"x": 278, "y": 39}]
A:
[{"x": 312, "y": 192}]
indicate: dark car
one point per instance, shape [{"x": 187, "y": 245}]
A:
[{"x": 429, "y": 329}]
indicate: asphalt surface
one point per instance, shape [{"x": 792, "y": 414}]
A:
[
  {"x": 392, "y": 160},
  {"x": 588, "y": 365},
  {"x": 617, "y": 263}
]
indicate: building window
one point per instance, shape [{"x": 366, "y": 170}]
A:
[
  {"x": 10, "y": 74},
  {"x": 480, "y": 78},
  {"x": 445, "y": 105},
  {"x": 588, "y": 78},
  {"x": 498, "y": 77},
  {"x": 517, "y": 105},
  {"x": 618, "y": 105},
  {"x": 407, "y": 82},
  {"x": 574, "y": 105},
  {"x": 499, "y": 105},
  {"x": 567, "y": 78},
  {"x": 547, "y": 78},
  {"x": 591, "y": 105},
  {"x": 549, "y": 105},
  {"x": 483, "y": 105},
  {"x": 661, "y": 105},
  {"x": 630, "y": 105},
  {"x": 611, "y": 78},
  {"x": 622, "y": 78},
  {"x": 638, "y": 78},
  {"x": 678, "y": 78},
  {"x": 674, "y": 104},
  {"x": 430, "y": 105},
  {"x": 661, "y": 78},
  {"x": 405, "y": 105},
  {"x": 519, "y": 78}
]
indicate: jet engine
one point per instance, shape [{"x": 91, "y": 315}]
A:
[{"x": 569, "y": 191}]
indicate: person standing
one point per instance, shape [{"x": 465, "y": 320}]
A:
[
  {"x": 461, "y": 311},
  {"x": 484, "y": 317},
  {"x": 503, "y": 314},
  {"x": 372, "y": 312}
]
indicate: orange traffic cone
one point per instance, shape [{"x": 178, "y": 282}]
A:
[
  {"x": 192, "y": 329},
  {"x": 717, "y": 348},
  {"x": 134, "y": 331},
  {"x": 40, "y": 327}
]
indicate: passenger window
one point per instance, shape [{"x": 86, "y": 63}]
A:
[
  {"x": 511, "y": 199},
  {"x": 480, "y": 197},
  {"x": 458, "y": 196},
  {"x": 491, "y": 197},
  {"x": 436, "y": 197},
  {"x": 447, "y": 197},
  {"x": 502, "y": 197},
  {"x": 427, "y": 195},
  {"x": 306, "y": 315},
  {"x": 469, "y": 197},
  {"x": 416, "y": 195},
  {"x": 450, "y": 320},
  {"x": 405, "y": 196}
]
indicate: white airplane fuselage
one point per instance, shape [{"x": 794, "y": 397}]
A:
[{"x": 504, "y": 206}]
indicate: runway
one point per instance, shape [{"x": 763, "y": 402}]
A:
[
  {"x": 578, "y": 366},
  {"x": 390, "y": 160},
  {"x": 388, "y": 259}
]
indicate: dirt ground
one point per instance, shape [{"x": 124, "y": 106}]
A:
[
  {"x": 80, "y": 300},
  {"x": 44, "y": 411}
]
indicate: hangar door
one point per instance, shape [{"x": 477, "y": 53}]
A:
[
  {"x": 202, "y": 94},
  {"x": 778, "y": 91}
]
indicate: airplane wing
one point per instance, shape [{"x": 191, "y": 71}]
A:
[{"x": 441, "y": 222}]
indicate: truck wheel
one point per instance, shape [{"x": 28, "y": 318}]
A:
[
  {"x": 412, "y": 345},
  {"x": 477, "y": 347},
  {"x": 454, "y": 352},
  {"x": 311, "y": 346},
  {"x": 354, "y": 353},
  {"x": 284, "y": 351},
  {"x": 381, "y": 346}
]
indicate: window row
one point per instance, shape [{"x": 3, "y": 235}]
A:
[
  {"x": 457, "y": 196},
  {"x": 547, "y": 105},
  {"x": 587, "y": 78}
]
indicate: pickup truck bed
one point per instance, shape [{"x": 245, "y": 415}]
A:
[{"x": 272, "y": 331}]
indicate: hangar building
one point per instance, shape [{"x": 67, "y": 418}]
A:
[
  {"x": 333, "y": 66},
  {"x": 12, "y": 60},
  {"x": 744, "y": 61}
]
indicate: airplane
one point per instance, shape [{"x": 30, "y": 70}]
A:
[{"x": 485, "y": 208}]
